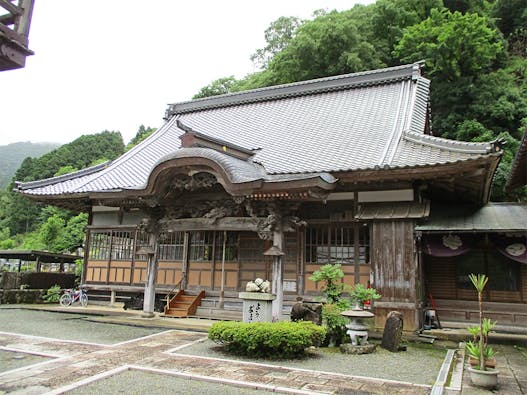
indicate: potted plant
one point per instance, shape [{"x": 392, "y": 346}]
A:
[
  {"x": 473, "y": 345},
  {"x": 359, "y": 294},
  {"x": 481, "y": 375}
]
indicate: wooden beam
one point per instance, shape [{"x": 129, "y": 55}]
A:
[
  {"x": 228, "y": 223},
  {"x": 10, "y": 7}
]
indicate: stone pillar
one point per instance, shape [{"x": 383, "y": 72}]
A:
[
  {"x": 277, "y": 283},
  {"x": 151, "y": 274}
]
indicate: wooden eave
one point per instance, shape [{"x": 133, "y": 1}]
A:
[{"x": 474, "y": 175}]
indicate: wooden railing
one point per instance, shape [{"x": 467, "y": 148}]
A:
[{"x": 169, "y": 297}]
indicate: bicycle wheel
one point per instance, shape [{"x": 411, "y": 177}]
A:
[
  {"x": 65, "y": 300},
  {"x": 84, "y": 300}
]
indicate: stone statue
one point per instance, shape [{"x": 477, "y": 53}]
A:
[{"x": 306, "y": 312}]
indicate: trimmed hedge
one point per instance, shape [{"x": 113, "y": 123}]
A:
[{"x": 267, "y": 339}]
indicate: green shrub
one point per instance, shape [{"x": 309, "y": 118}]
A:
[
  {"x": 335, "y": 322},
  {"x": 53, "y": 294},
  {"x": 267, "y": 339}
]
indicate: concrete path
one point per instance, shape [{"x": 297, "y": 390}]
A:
[{"x": 74, "y": 364}]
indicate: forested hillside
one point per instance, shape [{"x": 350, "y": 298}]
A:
[
  {"x": 27, "y": 225},
  {"x": 474, "y": 52},
  {"x": 12, "y": 155}
]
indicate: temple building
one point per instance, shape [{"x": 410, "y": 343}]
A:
[{"x": 275, "y": 182}]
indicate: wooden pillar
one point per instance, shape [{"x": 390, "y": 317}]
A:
[
  {"x": 277, "y": 284},
  {"x": 184, "y": 267},
  {"x": 151, "y": 274}
]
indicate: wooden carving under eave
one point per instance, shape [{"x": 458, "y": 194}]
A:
[{"x": 14, "y": 31}]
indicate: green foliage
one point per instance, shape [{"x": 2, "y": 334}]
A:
[
  {"x": 217, "y": 87},
  {"x": 267, "y": 339},
  {"x": 328, "y": 45},
  {"x": 142, "y": 133},
  {"x": 474, "y": 351},
  {"x": 22, "y": 215},
  {"x": 331, "y": 276},
  {"x": 12, "y": 155},
  {"x": 511, "y": 16},
  {"x": 391, "y": 17},
  {"x": 360, "y": 294},
  {"x": 277, "y": 36},
  {"x": 452, "y": 44},
  {"x": 52, "y": 294},
  {"x": 335, "y": 322},
  {"x": 65, "y": 170}
]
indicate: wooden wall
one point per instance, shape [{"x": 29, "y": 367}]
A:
[
  {"x": 455, "y": 304},
  {"x": 396, "y": 271}
]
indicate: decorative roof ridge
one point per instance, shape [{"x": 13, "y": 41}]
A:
[
  {"x": 21, "y": 186},
  {"x": 204, "y": 139},
  {"x": 452, "y": 145},
  {"x": 302, "y": 88}
]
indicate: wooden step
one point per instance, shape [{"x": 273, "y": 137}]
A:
[{"x": 182, "y": 305}]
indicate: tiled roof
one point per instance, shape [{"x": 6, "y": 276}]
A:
[
  {"x": 368, "y": 120},
  {"x": 498, "y": 217}
]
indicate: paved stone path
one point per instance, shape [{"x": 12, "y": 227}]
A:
[{"x": 75, "y": 363}]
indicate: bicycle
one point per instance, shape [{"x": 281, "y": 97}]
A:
[{"x": 71, "y": 296}]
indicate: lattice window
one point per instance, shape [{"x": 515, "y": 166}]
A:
[
  {"x": 122, "y": 245},
  {"x": 231, "y": 246},
  {"x": 100, "y": 242},
  {"x": 171, "y": 246},
  {"x": 336, "y": 244},
  {"x": 201, "y": 246}
]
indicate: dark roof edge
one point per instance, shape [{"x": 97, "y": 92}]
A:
[
  {"x": 21, "y": 186},
  {"x": 364, "y": 78}
]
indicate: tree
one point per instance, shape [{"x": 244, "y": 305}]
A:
[
  {"x": 142, "y": 133},
  {"x": 277, "y": 36},
  {"x": 452, "y": 44},
  {"x": 217, "y": 87},
  {"x": 328, "y": 45},
  {"x": 51, "y": 234},
  {"x": 75, "y": 231},
  {"x": 389, "y": 18},
  {"x": 65, "y": 170}
]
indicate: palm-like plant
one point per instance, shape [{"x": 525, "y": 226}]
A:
[{"x": 480, "y": 281}]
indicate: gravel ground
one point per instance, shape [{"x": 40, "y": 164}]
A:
[
  {"x": 68, "y": 327},
  {"x": 419, "y": 364},
  {"x": 13, "y": 360},
  {"x": 158, "y": 384}
]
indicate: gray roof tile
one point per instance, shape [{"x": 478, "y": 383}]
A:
[{"x": 353, "y": 122}]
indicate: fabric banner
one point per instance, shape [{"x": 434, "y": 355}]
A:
[
  {"x": 447, "y": 245},
  {"x": 514, "y": 248}
]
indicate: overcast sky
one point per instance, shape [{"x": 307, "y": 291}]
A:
[{"x": 114, "y": 65}]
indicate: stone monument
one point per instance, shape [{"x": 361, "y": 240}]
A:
[{"x": 393, "y": 330}]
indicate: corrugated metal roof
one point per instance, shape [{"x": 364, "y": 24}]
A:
[
  {"x": 395, "y": 210},
  {"x": 360, "y": 121},
  {"x": 500, "y": 217}
]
